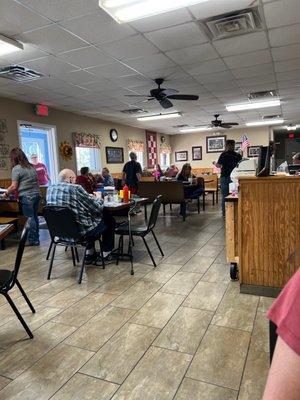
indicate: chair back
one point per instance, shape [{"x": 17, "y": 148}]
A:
[
  {"x": 19, "y": 255},
  {"x": 61, "y": 222},
  {"x": 154, "y": 212}
]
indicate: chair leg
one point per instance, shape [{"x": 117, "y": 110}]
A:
[
  {"x": 272, "y": 338},
  {"x": 101, "y": 254},
  {"x": 158, "y": 245},
  {"x": 217, "y": 196},
  {"x": 164, "y": 209},
  {"x": 66, "y": 248},
  {"x": 149, "y": 252},
  {"x": 198, "y": 204},
  {"x": 213, "y": 198},
  {"x": 20, "y": 318},
  {"x": 51, "y": 262},
  {"x": 203, "y": 205},
  {"x": 82, "y": 266},
  {"x": 170, "y": 206},
  {"x": 49, "y": 250},
  {"x": 25, "y": 296},
  {"x": 76, "y": 254},
  {"x": 119, "y": 249},
  {"x": 73, "y": 256},
  {"x": 145, "y": 209}
]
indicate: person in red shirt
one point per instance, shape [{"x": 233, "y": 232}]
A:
[
  {"x": 41, "y": 169},
  {"x": 284, "y": 376},
  {"x": 86, "y": 180}
]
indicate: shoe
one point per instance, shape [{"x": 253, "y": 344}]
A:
[
  {"x": 90, "y": 259},
  {"x": 33, "y": 244}
]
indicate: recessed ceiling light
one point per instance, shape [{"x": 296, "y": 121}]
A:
[
  {"x": 253, "y": 106},
  {"x": 266, "y": 122},
  {"x": 195, "y": 129},
  {"x": 8, "y": 45},
  {"x": 159, "y": 116},
  {"x": 131, "y": 10}
]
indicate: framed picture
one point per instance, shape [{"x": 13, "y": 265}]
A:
[
  {"x": 114, "y": 155},
  {"x": 215, "y": 144},
  {"x": 238, "y": 146},
  {"x": 181, "y": 156},
  {"x": 253, "y": 151},
  {"x": 197, "y": 153}
]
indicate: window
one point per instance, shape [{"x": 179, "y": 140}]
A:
[
  {"x": 88, "y": 157},
  {"x": 164, "y": 160},
  {"x": 140, "y": 157}
]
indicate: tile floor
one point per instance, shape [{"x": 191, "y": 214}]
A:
[{"x": 179, "y": 331}]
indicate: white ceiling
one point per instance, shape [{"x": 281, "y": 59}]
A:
[{"x": 91, "y": 62}]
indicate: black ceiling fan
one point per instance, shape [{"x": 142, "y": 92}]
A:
[
  {"x": 217, "y": 123},
  {"x": 163, "y": 95}
]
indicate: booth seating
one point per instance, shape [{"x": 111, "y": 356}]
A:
[{"x": 202, "y": 171}]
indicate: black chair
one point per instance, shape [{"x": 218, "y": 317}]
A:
[
  {"x": 140, "y": 230},
  {"x": 64, "y": 231},
  {"x": 272, "y": 338},
  {"x": 8, "y": 279}
]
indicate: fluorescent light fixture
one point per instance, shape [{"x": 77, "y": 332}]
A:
[
  {"x": 254, "y": 105},
  {"x": 195, "y": 129},
  {"x": 8, "y": 45},
  {"x": 131, "y": 10},
  {"x": 291, "y": 127},
  {"x": 159, "y": 116},
  {"x": 265, "y": 122}
]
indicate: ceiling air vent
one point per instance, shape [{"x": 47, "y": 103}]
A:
[
  {"x": 134, "y": 111},
  {"x": 263, "y": 95},
  {"x": 19, "y": 74},
  {"x": 232, "y": 24}
]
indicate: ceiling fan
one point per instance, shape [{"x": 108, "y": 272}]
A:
[
  {"x": 163, "y": 95},
  {"x": 217, "y": 123}
]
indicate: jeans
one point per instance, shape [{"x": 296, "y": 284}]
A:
[
  {"x": 225, "y": 180},
  {"x": 30, "y": 205},
  {"x": 106, "y": 229}
]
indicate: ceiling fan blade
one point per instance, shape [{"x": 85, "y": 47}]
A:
[
  {"x": 232, "y": 123},
  {"x": 183, "y": 97},
  {"x": 136, "y": 95},
  {"x": 168, "y": 92},
  {"x": 225, "y": 125},
  {"x": 165, "y": 103}
]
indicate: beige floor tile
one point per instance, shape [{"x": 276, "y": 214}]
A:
[
  {"x": 23, "y": 354},
  {"x": 136, "y": 296},
  {"x": 198, "y": 264},
  {"x": 210, "y": 250},
  {"x": 221, "y": 258},
  {"x": 118, "y": 356},
  {"x": 157, "y": 376},
  {"x": 220, "y": 357},
  {"x": 3, "y": 381},
  {"x": 217, "y": 272},
  {"x": 119, "y": 284},
  {"x": 260, "y": 334},
  {"x": 84, "y": 309},
  {"x": 159, "y": 276},
  {"x": 163, "y": 267},
  {"x": 195, "y": 390},
  {"x": 179, "y": 257},
  {"x": 265, "y": 304},
  {"x": 83, "y": 387},
  {"x": 255, "y": 375},
  {"x": 206, "y": 296},
  {"x": 185, "y": 330},
  {"x": 93, "y": 334},
  {"x": 181, "y": 283},
  {"x": 158, "y": 310},
  {"x": 35, "y": 384}
]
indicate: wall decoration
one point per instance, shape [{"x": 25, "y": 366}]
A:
[
  {"x": 4, "y": 163},
  {"x": 4, "y": 150},
  {"x": 197, "y": 153},
  {"x": 238, "y": 146},
  {"x": 114, "y": 155},
  {"x": 82, "y": 139},
  {"x": 135, "y": 145},
  {"x": 215, "y": 144},
  {"x": 253, "y": 151},
  {"x": 113, "y": 134},
  {"x": 165, "y": 148},
  {"x": 181, "y": 156},
  {"x": 151, "y": 139},
  {"x": 66, "y": 151}
]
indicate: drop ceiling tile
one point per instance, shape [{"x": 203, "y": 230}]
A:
[
  {"x": 132, "y": 81},
  {"x": 282, "y": 12},
  {"x": 193, "y": 54},
  {"x": 286, "y": 35},
  {"x": 135, "y": 46},
  {"x": 288, "y": 84},
  {"x": 169, "y": 73},
  {"x": 150, "y": 63},
  {"x": 58, "y": 10},
  {"x": 230, "y": 85},
  {"x": 29, "y": 53},
  {"x": 49, "y": 66},
  {"x": 111, "y": 70},
  {"x": 289, "y": 65},
  {"x": 206, "y": 67},
  {"x": 77, "y": 77},
  {"x": 211, "y": 8},
  {"x": 100, "y": 85},
  {"x": 242, "y": 44},
  {"x": 98, "y": 28},
  {"x": 217, "y": 77},
  {"x": 262, "y": 79},
  {"x": 248, "y": 59},
  {"x": 177, "y": 37},
  {"x": 52, "y": 39},
  {"x": 162, "y": 21},
  {"x": 86, "y": 57},
  {"x": 253, "y": 71},
  {"x": 287, "y": 76},
  {"x": 285, "y": 52}
]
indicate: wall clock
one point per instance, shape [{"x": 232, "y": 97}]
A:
[{"x": 113, "y": 135}]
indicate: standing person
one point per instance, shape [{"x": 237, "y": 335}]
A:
[
  {"x": 41, "y": 170},
  {"x": 132, "y": 173},
  {"x": 227, "y": 161},
  {"x": 86, "y": 181},
  {"x": 25, "y": 180}
]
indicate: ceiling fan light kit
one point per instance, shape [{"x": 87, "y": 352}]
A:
[
  {"x": 253, "y": 105},
  {"x": 159, "y": 116}
]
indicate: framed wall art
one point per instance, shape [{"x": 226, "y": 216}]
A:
[
  {"x": 238, "y": 146},
  {"x": 114, "y": 155},
  {"x": 215, "y": 144},
  {"x": 197, "y": 153},
  {"x": 151, "y": 140},
  {"x": 253, "y": 151},
  {"x": 181, "y": 156}
]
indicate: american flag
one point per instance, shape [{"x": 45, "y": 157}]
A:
[{"x": 245, "y": 142}]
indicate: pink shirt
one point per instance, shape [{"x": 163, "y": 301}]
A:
[
  {"x": 285, "y": 313},
  {"x": 42, "y": 173}
]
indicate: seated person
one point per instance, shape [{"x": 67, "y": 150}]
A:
[
  {"x": 186, "y": 173},
  {"x": 86, "y": 180},
  {"x": 157, "y": 173},
  {"x": 108, "y": 180},
  {"x": 92, "y": 220},
  {"x": 172, "y": 171}
]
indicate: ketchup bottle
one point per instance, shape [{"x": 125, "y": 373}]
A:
[{"x": 125, "y": 194}]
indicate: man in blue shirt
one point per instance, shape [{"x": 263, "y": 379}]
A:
[{"x": 88, "y": 211}]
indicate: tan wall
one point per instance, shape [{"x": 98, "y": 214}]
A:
[
  {"x": 66, "y": 123},
  {"x": 257, "y": 136}
]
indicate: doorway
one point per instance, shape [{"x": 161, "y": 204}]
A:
[{"x": 41, "y": 140}]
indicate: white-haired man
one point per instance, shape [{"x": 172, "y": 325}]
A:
[{"x": 88, "y": 211}]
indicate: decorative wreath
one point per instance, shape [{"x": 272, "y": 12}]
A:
[{"x": 66, "y": 151}]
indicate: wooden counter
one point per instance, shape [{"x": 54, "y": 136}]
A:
[{"x": 268, "y": 232}]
